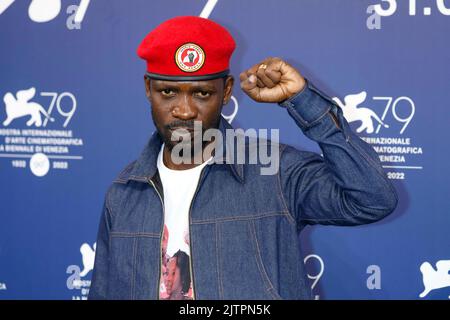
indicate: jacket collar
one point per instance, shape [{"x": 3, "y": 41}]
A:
[{"x": 145, "y": 167}]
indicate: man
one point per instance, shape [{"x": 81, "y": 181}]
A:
[{"x": 237, "y": 227}]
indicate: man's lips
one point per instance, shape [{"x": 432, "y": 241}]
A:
[
  {"x": 182, "y": 128},
  {"x": 182, "y": 133}
]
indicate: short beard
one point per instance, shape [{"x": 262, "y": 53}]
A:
[{"x": 166, "y": 134}]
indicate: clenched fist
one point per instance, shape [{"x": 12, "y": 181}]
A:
[{"x": 271, "y": 80}]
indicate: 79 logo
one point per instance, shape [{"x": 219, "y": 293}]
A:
[
  {"x": 401, "y": 108},
  {"x": 20, "y": 106}
]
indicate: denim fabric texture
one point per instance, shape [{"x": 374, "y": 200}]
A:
[{"x": 244, "y": 226}]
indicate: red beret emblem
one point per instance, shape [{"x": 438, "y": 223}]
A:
[{"x": 189, "y": 57}]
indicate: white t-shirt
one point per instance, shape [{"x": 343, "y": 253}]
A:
[{"x": 179, "y": 187}]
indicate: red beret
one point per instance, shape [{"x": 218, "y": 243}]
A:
[{"x": 187, "y": 48}]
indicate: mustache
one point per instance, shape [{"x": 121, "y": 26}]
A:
[{"x": 181, "y": 124}]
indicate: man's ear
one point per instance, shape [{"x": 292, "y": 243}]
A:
[
  {"x": 228, "y": 89},
  {"x": 147, "y": 88}
]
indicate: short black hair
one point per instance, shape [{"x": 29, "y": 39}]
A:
[{"x": 185, "y": 274}]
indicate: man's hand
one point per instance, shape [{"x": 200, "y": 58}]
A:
[{"x": 271, "y": 80}]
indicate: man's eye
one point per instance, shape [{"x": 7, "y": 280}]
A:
[
  {"x": 203, "y": 94},
  {"x": 167, "y": 92}
]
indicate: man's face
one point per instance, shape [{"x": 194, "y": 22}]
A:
[{"x": 177, "y": 104}]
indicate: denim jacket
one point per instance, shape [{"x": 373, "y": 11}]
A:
[{"x": 244, "y": 226}]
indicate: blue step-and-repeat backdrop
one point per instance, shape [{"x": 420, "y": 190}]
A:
[{"x": 73, "y": 113}]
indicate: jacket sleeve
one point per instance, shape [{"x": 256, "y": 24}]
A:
[
  {"x": 99, "y": 282},
  {"x": 347, "y": 186}
]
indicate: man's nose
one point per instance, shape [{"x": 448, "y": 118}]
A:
[{"x": 185, "y": 109}]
